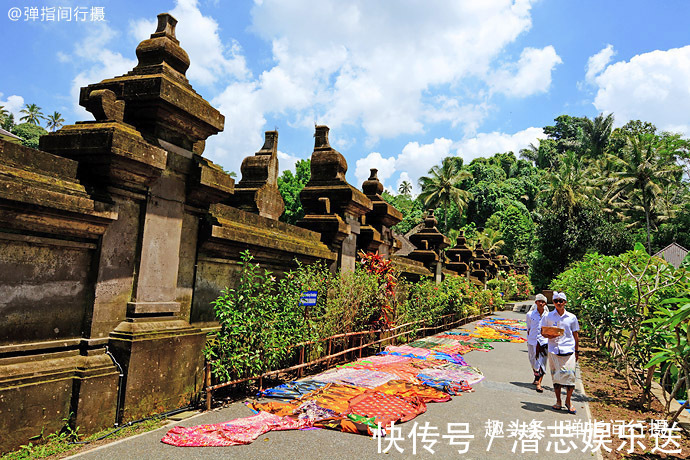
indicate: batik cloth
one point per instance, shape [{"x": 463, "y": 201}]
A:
[
  {"x": 292, "y": 390},
  {"x": 385, "y": 408},
  {"x": 361, "y": 377},
  {"x": 410, "y": 390},
  {"x": 562, "y": 369},
  {"x": 537, "y": 358},
  {"x": 334, "y": 397},
  {"x": 232, "y": 433}
]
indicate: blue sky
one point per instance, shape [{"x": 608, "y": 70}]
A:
[{"x": 401, "y": 83}]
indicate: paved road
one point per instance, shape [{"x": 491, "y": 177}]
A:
[{"x": 506, "y": 395}]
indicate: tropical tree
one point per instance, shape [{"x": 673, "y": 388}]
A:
[
  {"x": 33, "y": 114},
  {"x": 641, "y": 175},
  {"x": 405, "y": 188},
  {"x": 3, "y": 114},
  {"x": 442, "y": 187},
  {"x": 568, "y": 184},
  {"x": 55, "y": 121},
  {"x": 596, "y": 136},
  {"x": 491, "y": 239},
  {"x": 290, "y": 185}
]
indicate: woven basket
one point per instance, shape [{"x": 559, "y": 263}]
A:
[{"x": 551, "y": 332}]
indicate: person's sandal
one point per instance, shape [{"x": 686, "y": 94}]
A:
[
  {"x": 556, "y": 407},
  {"x": 572, "y": 411},
  {"x": 540, "y": 389}
]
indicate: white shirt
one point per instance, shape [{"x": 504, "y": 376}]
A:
[
  {"x": 534, "y": 325},
  {"x": 568, "y": 322}
]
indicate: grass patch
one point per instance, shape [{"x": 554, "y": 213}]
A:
[{"x": 63, "y": 443}]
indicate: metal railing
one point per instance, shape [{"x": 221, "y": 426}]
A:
[{"x": 375, "y": 338}]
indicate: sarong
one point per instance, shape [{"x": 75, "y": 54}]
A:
[
  {"x": 537, "y": 358},
  {"x": 562, "y": 369}
]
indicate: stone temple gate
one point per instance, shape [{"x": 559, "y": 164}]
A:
[{"x": 117, "y": 234}]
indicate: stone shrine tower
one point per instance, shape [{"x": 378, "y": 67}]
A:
[
  {"x": 332, "y": 206},
  {"x": 376, "y": 234}
]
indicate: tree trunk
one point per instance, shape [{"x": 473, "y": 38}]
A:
[{"x": 649, "y": 229}]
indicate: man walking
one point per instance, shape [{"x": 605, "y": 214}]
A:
[
  {"x": 563, "y": 350},
  {"x": 536, "y": 343}
]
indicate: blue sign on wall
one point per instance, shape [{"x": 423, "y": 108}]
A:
[{"x": 308, "y": 298}]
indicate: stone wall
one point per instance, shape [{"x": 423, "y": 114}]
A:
[{"x": 114, "y": 238}]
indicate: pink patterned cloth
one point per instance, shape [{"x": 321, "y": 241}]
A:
[{"x": 232, "y": 433}]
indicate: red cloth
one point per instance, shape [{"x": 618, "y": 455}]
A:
[
  {"x": 232, "y": 433},
  {"x": 386, "y": 408}
]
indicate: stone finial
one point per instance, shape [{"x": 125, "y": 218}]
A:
[
  {"x": 162, "y": 48},
  {"x": 258, "y": 192},
  {"x": 372, "y": 186},
  {"x": 270, "y": 146},
  {"x": 104, "y": 106},
  {"x": 158, "y": 99},
  {"x": 166, "y": 27},
  {"x": 327, "y": 164},
  {"x": 375, "y": 234},
  {"x": 321, "y": 138}
]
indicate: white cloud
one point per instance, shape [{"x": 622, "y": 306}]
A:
[
  {"x": 286, "y": 161},
  {"x": 530, "y": 75},
  {"x": 597, "y": 63},
  {"x": 418, "y": 159},
  {"x": 96, "y": 61},
  {"x": 244, "y": 123},
  {"x": 385, "y": 166},
  {"x": 651, "y": 86},
  {"x": 486, "y": 144},
  {"x": 362, "y": 63},
  {"x": 13, "y": 104}
]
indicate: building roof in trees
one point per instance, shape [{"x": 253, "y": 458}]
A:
[
  {"x": 674, "y": 254},
  {"x": 8, "y": 136}
]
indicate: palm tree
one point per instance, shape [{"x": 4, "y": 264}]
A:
[
  {"x": 55, "y": 121},
  {"x": 490, "y": 239},
  {"x": 442, "y": 187},
  {"x": 405, "y": 188},
  {"x": 597, "y": 133},
  {"x": 568, "y": 185},
  {"x": 641, "y": 175},
  {"x": 33, "y": 114},
  {"x": 3, "y": 114}
]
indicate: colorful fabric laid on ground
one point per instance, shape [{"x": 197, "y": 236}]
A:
[
  {"x": 346, "y": 425},
  {"x": 465, "y": 373},
  {"x": 292, "y": 390},
  {"x": 421, "y": 353},
  {"x": 386, "y": 408},
  {"x": 357, "y": 377},
  {"x": 393, "y": 386},
  {"x": 334, "y": 397},
  {"x": 516, "y": 325},
  {"x": 447, "y": 386},
  {"x": 409, "y": 390},
  {"x": 232, "y": 433},
  {"x": 485, "y": 332}
]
